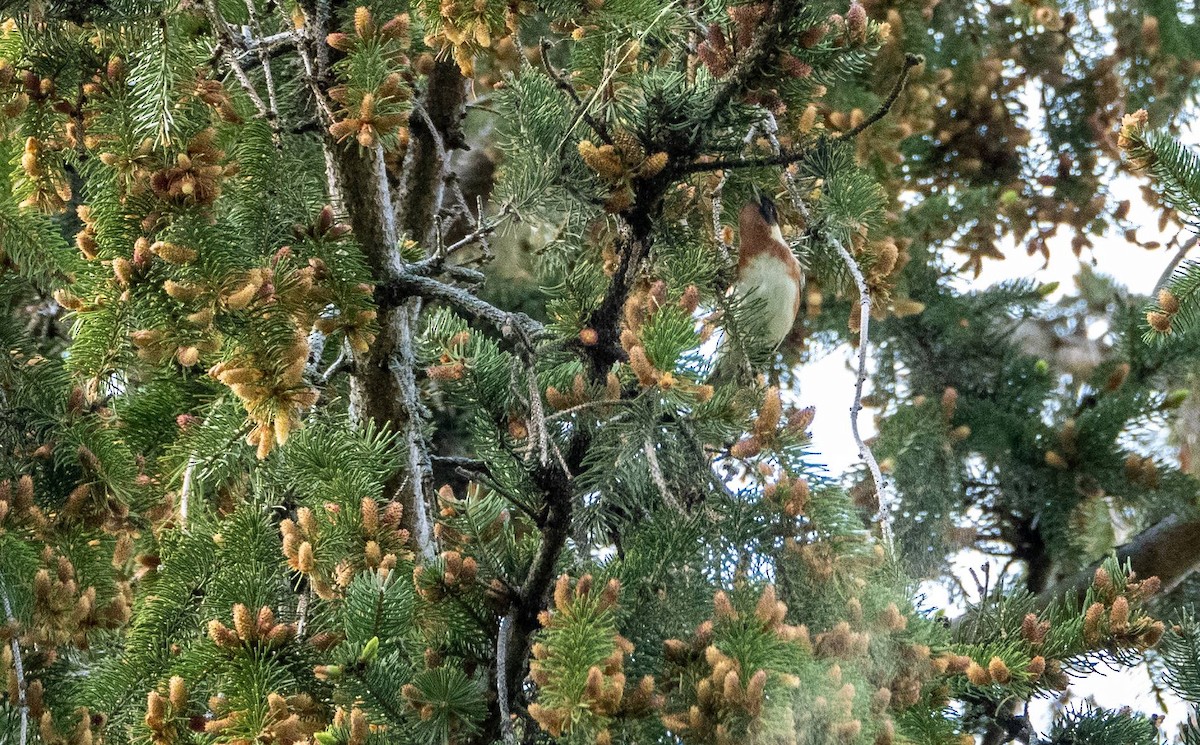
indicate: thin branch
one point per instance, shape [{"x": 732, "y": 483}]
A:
[
  {"x": 272, "y": 42},
  {"x": 18, "y": 663},
  {"x": 185, "y": 490},
  {"x": 302, "y": 612},
  {"x": 864, "y": 319},
  {"x": 1176, "y": 260},
  {"x": 227, "y": 46},
  {"x": 784, "y": 158},
  {"x": 503, "y": 640},
  {"x": 910, "y": 61},
  {"x": 585, "y": 405},
  {"x": 1167, "y": 550},
  {"x": 459, "y": 461},
  {"x": 264, "y": 58},
  {"x": 479, "y": 233},
  {"x": 884, "y": 516},
  {"x": 342, "y": 362},
  {"x": 325, "y": 111},
  {"x": 719, "y": 229},
  {"x": 656, "y": 473},
  {"x": 565, "y": 85},
  {"x": 515, "y": 325}
]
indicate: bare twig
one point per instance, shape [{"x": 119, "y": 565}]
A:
[
  {"x": 514, "y": 326},
  {"x": 564, "y": 85},
  {"x": 264, "y": 58},
  {"x": 342, "y": 362},
  {"x": 311, "y": 47},
  {"x": 864, "y": 319},
  {"x": 272, "y": 42},
  {"x": 302, "y": 612},
  {"x": 185, "y": 490},
  {"x": 228, "y": 47},
  {"x": 18, "y": 663},
  {"x": 656, "y": 473},
  {"x": 1176, "y": 260},
  {"x": 479, "y": 233},
  {"x": 584, "y": 406},
  {"x": 884, "y": 516},
  {"x": 910, "y": 61},
  {"x": 718, "y": 229},
  {"x": 784, "y": 158}
]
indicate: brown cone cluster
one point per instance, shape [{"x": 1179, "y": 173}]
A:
[
  {"x": 563, "y": 709},
  {"x": 620, "y": 164},
  {"x": 249, "y": 629},
  {"x": 726, "y": 705},
  {"x": 771, "y": 424},
  {"x": 289, "y": 720},
  {"x": 646, "y": 300},
  {"x": 196, "y": 175},
  {"x": 313, "y": 547},
  {"x": 378, "y": 114},
  {"x": 1116, "y": 620},
  {"x": 466, "y": 28},
  {"x": 44, "y": 182}
]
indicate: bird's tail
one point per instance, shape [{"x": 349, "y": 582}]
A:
[{"x": 730, "y": 367}]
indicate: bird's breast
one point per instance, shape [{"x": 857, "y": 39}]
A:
[{"x": 778, "y": 283}]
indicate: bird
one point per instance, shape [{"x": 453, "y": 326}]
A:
[
  {"x": 769, "y": 278},
  {"x": 768, "y": 269}
]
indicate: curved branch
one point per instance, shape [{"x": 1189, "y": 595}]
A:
[
  {"x": 516, "y": 326},
  {"x": 1167, "y": 550},
  {"x": 910, "y": 61}
]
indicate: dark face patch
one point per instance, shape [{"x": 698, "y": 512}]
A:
[{"x": 766, "y": 208}]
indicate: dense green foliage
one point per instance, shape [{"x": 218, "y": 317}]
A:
[{"x": 379, "y": 398}]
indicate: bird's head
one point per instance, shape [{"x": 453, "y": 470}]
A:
[{"x": 758, "y": 225}]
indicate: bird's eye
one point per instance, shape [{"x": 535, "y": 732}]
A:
[{"x": 766, "y": 208}]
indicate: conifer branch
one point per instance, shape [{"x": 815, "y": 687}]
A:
[
  {"x": 1167, "y": 550},
  {"x": 581, "y": 107},
  {"x": 17, "y": 662},
  {"x": 910, "y": 61},
  {"x": 749, "y": 65},
  {"x": 264, "y": 58},
  {"x": 513, "y": 326},
  {"x": 228, "y": 48}
]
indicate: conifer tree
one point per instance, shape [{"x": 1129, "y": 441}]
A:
[{"x": 357, "y": 378}]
